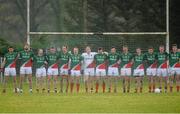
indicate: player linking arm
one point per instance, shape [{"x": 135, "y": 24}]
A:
[
  {"x": 162, "y": 70},
  {"x": 174, "y": 67},
  {"x": 113, "y": 69},
  {"x": 52, "y": 59},
  {"x": 138, "y": 70},
  {"x": 126, "y": 65},
  {"x": 40, "y": 63},
  {"x": 75, "y": 69},
  {"x": 151, "y": 65},
  {"x": 64, "y": 67},
  {"x": 9, "y": 63},
  {"x": 100, "y": 61},
  {"x": 26, "y": 66}
]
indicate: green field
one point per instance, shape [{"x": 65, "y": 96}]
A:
[{"x": 91, "y": 102}]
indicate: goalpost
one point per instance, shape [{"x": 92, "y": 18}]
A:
[{"x": 29, "y": 33}]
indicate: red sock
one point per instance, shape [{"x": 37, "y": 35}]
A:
[
  {"x": 104, "y": 87},
  {"x": 72, "y": 85},
  {"x": 177, "y": 88},
  {"x": 149, "y": 89},
  {"x": 77, "y": 86},
  {"x": 141, "y": 90},
  {"x": 97, "y": 87},
  {"x": 171, "y": 88}
]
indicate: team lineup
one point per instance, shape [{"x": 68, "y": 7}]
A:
[{"x": 99, "y": 69}]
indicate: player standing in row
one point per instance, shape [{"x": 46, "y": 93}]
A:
[
  {"x": 151, "y": 64},
  {"x": 174, "y": 63},
  {"x": 39, "y": 61},
  {"x": 25, "y": 57},
  {"x": 52, "y": 71},
  {"x": 113, "y": 69},
  {"x": 162, "y": 70},
  {"x": 75, "y": 68},
  {"x": 126, "y": 65},
  {"x": 138, "y": 70},
  {"x": 101, "y": 62},
  {"x": 64, "y": 67},
  {"x": 9, "y": 63},
  {"x": 89, "y": 70}
]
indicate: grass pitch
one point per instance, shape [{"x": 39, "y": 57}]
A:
[{"x": 89, "y": 103}]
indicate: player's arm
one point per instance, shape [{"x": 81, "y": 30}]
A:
[
  {"x": 144, "y": 59},
  {"x": 81, "y": 60},
  {"x": 131, "y": 60},
  {"x": 3, "y": 64},
  {"x": 118, "y": 59},
  {"x": 167, "y": 57},
  {"x": 69, "y": 64}
]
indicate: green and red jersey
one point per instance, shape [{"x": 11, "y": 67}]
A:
[
  {"x": 100, "y": 61},
  {"x": 151, "y": 60},
  {"x": 126, "y": 59},
  {"x": 39, "y": 61},
  {"x": 113, "y": 59},
  {"x": 174, "y": 60},
  {"x": 138, "y": 61},
  {"x": 52, "y": 59},
  {"x": 10, "y": 60},
  {"x": 162, "y": 60},
  {"x": 26, "y": 58},
  {"x": 76, "y": 60},
  {"x": 64, "y": 60}
]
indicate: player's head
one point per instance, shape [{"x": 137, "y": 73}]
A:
[
  {"x": 161, "y": 48},
  {"x": 64, "y": 49},
  {"x": 10, "y": 49},
  {"x": 100, "y": 50},
  {"x": 138, "y": 50},
  {"x": 113, "y": 49},
  {"x": 174, "y": 48},
  {"x": 40, "y": 52},
  {"x": 52, "y": 49},
  {"x": 150, "y": 49},
  {"x": 88, "y": 49},
  {"x": 125, "y": 48},
  {"x": 75, "y": 50},
  {"x": 26, "y": 47}
]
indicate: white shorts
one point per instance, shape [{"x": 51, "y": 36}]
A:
[
  {"x": 151, "y": 71},
  {"x": 100, "y": 72},
  {"x": 174, "y": 71},
  {"x": 162, "y": 72},
  {"x": 63, "y": 71},
  {"x": 40, "y": 72},
  {"x": 125, "y": 71},
  {"x": 75, "y": 73},
  {"x": 113, "y": 71},
  {"x": 138, "y": 72},
  {"x": 89, "y": 72},
  {"x": 10, "y": 71},
  {"x": 52, "y": 71},
  {"x": 26, "y": 70}
]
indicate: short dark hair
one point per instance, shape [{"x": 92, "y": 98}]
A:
[
  {"x": 113, "y": 47},
  {"x": 138, "y": 48},
  {"x": 100, "y": 48},
  {"x": 125, "y": 46},
  {"x": 161, "y": 45},
  {"x": 10, "y": 47},
  {"x": 65, "y": 46},
  {"x": 150, "y": 47},
  {"x": 174, "y": 45}
]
